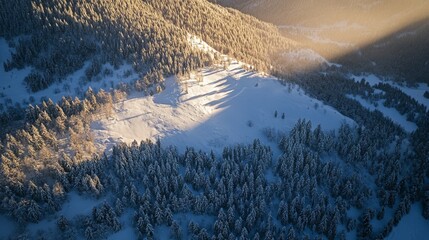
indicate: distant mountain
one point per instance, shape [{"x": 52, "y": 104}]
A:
[
  {"x": 318, "y": 13},
  {"x": 57, "y": 36},
  {"x": 351, "y": 31}
]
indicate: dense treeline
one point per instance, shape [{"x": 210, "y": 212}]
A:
[
  {"x": 405, "y": 171},
  {"x": 304, "y": 193},
  {"x": 332, "y": 89},
  {"x": 237, "y": 35},
  {"x": 151, "y": 35},
  {"x": 52, "y": 134},
  {"x": 402, "y": 102}
]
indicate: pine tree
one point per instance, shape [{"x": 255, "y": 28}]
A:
[
  {"x": 89, "y": 233},
  {"x": 365, "y": 225},
  {"x": 62, "y": 223},
  {"x": 291, "y": 234},
  {"x": 176, "y": 231},
  {"x": 119, "y": 208}
]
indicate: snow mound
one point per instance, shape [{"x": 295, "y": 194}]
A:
[{"x": 228, "y": 106}]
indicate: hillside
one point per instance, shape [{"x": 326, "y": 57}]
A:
[
  {"x": 171, "y": 119},
  {"x": 56, "y": 37},
  {"x": 364, "y": 35},
  {"x": 225, "y": 107}
]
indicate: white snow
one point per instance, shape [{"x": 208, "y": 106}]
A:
[
  {"x": 414, "y": 92},
  {"x": 7, "y": 227},
  {"x": 162, "y": 232},
  {"x": 214, "y": 113},
  {"x": 412, "y": 226},
  {"x": 127, "y": 231},
  {"x": 78, "y": 205},
  {"x": 406, "y": 34},
  {"x": 391, "y": 113},
  {"x": 204, "y": 221},
  {"x": 198, "y": 43},
  {"x": 45, "y": 226}
]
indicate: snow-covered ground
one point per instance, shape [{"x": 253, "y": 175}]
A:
[
  {"x": 76, "y": 205},
  {"x": 127, "y": 231},
  {"x": 228, "y": 107},
  {"x": 414, "y": 92},
  {"x": 391, "y": 113},
  {"x": 412, "y": 226},
  {"x": 13, "y": 89},
  {"x": 7, "y": 227}
]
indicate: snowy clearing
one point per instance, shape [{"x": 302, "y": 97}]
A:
[
  {"x": 416, "y": 93},
  {"x": 391, "y": 113},
  {"x": 412, "y": 226},
  {"x": 8, "y": 226},
  {"x": 228, "y": 107}
]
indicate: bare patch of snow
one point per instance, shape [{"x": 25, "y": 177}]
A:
[
  {"x": 127, "y": 231},
  {"x": 215, "y": 112},
  {"x": 414, "y": 92},
  {"x": 78, "y": 205},
  {"x": 7, "y": 227},
  {"x": 412, "y": 226},
  {"x": 391, "y": 113}
]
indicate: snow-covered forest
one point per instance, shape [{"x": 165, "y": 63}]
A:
[{"x": 185, "y": 120}]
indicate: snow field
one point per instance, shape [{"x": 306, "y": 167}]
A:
[{"x": 227, "y": 107}]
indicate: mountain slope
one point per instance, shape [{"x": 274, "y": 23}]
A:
[
  {"x": 354, "y": 33},
  {"x": 226, "y": 107},
  {"x": 151, "y": 35}
]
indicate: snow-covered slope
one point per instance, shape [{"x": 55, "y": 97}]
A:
[
  {"x": 414, "y": 92},
  {"x": 13, "y": 89},
  {"x": 411, "y": 227},
  {"x": 227, "y": 107},
  {"x": 391, "y": 113}
]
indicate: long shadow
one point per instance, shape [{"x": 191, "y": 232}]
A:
[
  {"x": 212, "y": 92},
  {"x": 228, "y": 126},
  {"x": 209, "y": 73},
  {"x": 129, "y": 118},
  {"x": 403, "y": 53},
  {"x": 244, "y": 111}
]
